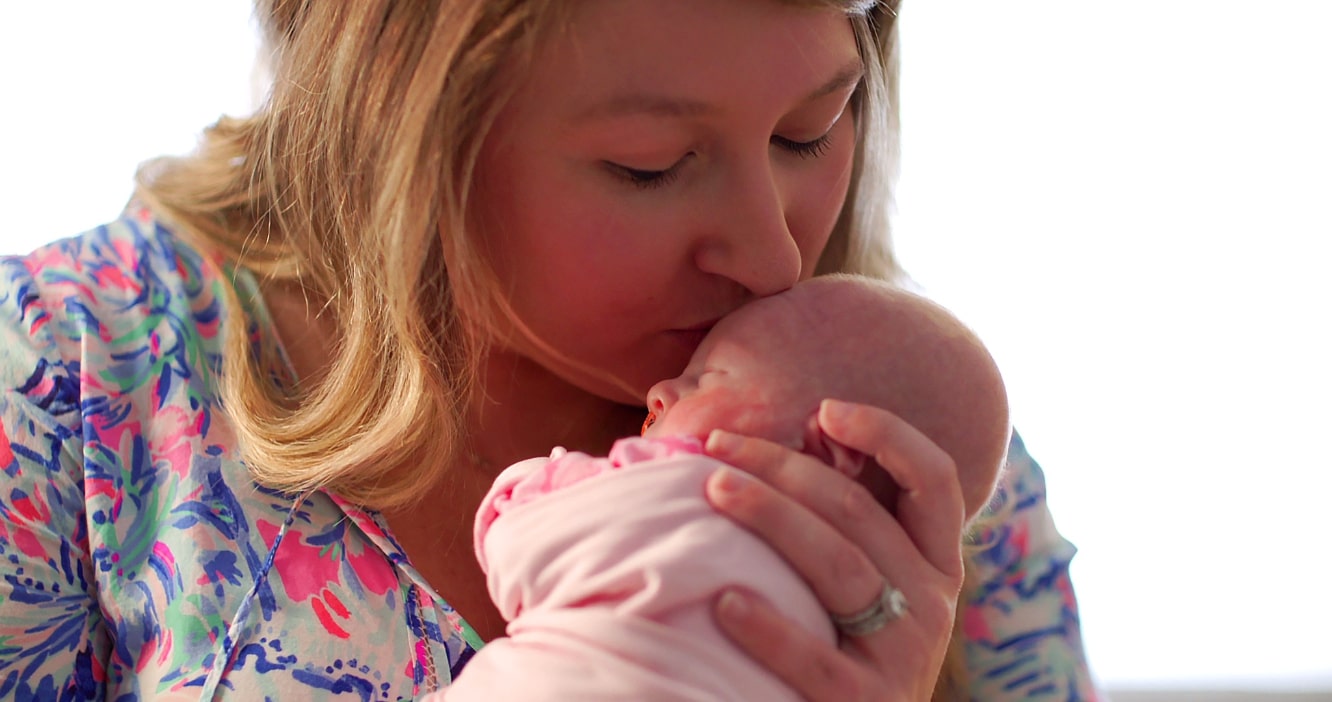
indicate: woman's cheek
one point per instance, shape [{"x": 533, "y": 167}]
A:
[{"x": 838, "y": 175}]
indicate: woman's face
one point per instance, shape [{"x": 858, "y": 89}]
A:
[{"x": 660, "y": 164}]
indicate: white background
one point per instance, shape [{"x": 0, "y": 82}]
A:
[{"x": 1131, "y": 201}]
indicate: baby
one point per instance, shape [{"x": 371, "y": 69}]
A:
[{"x": 606, "y": 568}]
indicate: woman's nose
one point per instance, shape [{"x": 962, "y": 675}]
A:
[{"x": 748, "y": 239}]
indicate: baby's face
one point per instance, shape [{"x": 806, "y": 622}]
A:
[
  {"x": 736, "y": 381},
  {"x": 760, "y": 372}
]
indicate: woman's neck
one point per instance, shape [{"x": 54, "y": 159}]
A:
[{"x": 526, "y": 410}]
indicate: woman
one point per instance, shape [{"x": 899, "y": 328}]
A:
[{"x": 456, "y": 234}]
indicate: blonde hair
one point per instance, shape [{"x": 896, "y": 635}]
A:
[{"x": 343, "y": 181}]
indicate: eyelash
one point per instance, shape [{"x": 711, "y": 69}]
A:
[
  {"x": 806, "y": 149},
  {"x": 647, "y": 180},
  {"x": 650, "y": 180}
]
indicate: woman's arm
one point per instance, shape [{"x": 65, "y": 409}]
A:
[
  {"x": 52, "y": 637},
  {"x": 53, "y": 641}
]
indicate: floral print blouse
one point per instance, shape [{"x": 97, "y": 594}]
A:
[{"x": 139, "y": 560}]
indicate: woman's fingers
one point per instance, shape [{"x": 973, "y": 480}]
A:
[
  {"x": 893, "y": 544},
  {"x": 845, "y": 545},
  {"x": 828, "y": 527},
  {"x": 930, "y": 506},
  {"x": 840, "y": 573},
  {"x": 811, "y": 667}
]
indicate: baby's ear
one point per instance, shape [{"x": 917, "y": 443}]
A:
[{"x": 846, "y": 461}]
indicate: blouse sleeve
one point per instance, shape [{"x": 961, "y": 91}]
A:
[
  {"x": 53, "y": 641},
  {"x": 1023, "y": 638}
]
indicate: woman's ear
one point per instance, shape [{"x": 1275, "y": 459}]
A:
[{"x": 846, "y": 461}]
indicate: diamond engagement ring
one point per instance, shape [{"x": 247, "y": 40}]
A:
[{"x": 891, "y": 604}]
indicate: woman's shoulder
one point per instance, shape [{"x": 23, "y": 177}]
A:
[
  {"x": 124, "y": 491},
  {"x": 109, "y": 350},
  {"x": 126, "y": 243},
  {"x": 90, "y": 281},
  {"x": 100, "y": 309},
  {"x": 50, "y": 299}
]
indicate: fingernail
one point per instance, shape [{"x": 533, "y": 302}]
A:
[
  {"x": 732, "y": 605},
  {"x": 727, "y": 481},
  {"x": 833, "y": 410},
  {"x": 721, "y": 442}
]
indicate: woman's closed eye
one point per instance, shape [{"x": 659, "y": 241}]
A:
[
  {"x": 804, "y": 149},
  {"x": 648, "y": 179},
  {"x": 813, "y": 148}
]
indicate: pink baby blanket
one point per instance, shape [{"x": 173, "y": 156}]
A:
[{"x": 607, "y": 569}]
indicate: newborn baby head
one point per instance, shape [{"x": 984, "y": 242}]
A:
[{"x": 765, "y": 368}]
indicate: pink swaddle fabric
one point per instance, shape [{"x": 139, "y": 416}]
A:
[{"x": 606, "y": 570}]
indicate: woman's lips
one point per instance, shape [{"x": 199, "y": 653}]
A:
[
  {"x": 692, "y": 336},
  {"x": 689, "y": 337},
  {"x": 704, "y": 327}
]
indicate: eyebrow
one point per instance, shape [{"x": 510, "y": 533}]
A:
[{"x": 666, "y": 106}]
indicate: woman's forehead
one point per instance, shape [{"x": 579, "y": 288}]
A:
[{"x": 689, "y": 56}]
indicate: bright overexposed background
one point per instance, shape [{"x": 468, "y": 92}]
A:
[
  {"x": 1130, "y": 201},
  {"x": 89, "y": 89}
]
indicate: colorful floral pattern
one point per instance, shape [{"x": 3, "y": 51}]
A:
[
  {"x": 138, "y": 559},
  {"x": 1023, "y": 636}
]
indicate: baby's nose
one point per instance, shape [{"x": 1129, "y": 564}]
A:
[{"x": 660, "y": 397}]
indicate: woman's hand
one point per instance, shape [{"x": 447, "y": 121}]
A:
[{"x": 846, "y": 545}]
